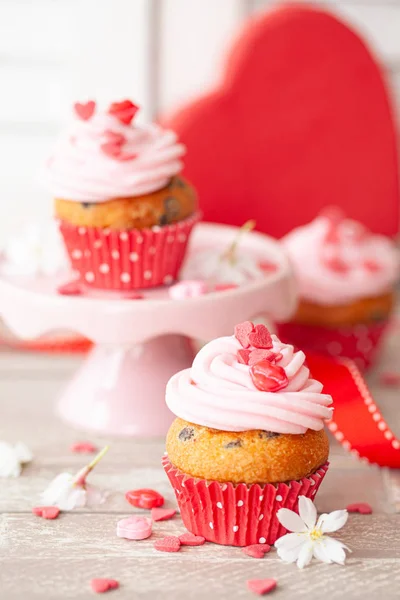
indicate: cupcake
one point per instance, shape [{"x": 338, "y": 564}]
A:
[
  {"x": 125, "y": 212},
  {"x": 346, "y": 276},
  {"x": 248, "y": 439}
]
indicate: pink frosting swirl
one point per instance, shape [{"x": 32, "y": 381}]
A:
[
  {"x": 339, "y": 263},
  {"x": 81, "y": 170},
  {"x": 218, "y": 392}
]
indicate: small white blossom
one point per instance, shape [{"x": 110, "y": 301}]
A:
[
  {"x": 308, "y": 538},
  {"x": 65, "y": 493},
  {"x": 12, "y": 458}
]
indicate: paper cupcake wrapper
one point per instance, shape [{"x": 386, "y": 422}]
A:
[
  {"x": 358, "y": 342},
  {"x": 237, "y": 515},
  {"x": 127, "y": 259}
]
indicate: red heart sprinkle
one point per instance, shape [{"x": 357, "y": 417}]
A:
[
  {"x": 390, "y": 379},
  {"x": 257, "y": 550},
  {"x": 72, "y": 288},
  {"x": 336, "y": 264},
  {"x": 360, "y": 507},
  {"x": 162, "y": 514},
  {"x": 111, "y": 149},
  {"x": 267, "y": 266},
  {"x": 47, "y": 512},
  {"x": 115, "y": 136},
  {"x": 171, "y": 543},
  {"x": 189, "y": 539},
  {"x": 268, "y": 377},
  {"x": 103, "y": 585},
  {"x": 243, "y": 356},
  {"x": 242, "y": 332},
  {"x": 124, "y": 111},
  {"x": 261, "y": 586},
  {"x": 260, "y": 337},
  {"x": 372, "y": 266},
  {"x": 85, "y": 111},
  {"x": 83, "y": 448},
  {"x": 224, "y": 287},
  {"x": 261, "y": 354},
  {"x": 144, "y": 498}
]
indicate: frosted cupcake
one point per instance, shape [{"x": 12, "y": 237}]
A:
[
  {"x": 346, "y": 276},
  {"x": 249, "y": 436},
  {"x": 125, "y": 212}
]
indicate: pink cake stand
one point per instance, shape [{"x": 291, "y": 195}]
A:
[{"x": 139, "y": 344}]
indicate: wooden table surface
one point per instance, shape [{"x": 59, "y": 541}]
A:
[{"x": 50, "y": 560}]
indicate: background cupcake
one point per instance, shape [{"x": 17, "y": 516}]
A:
[
  {"x": 346, "y": 276},
  {"x": 249, "y": 437},
  {"x": 125, "y": 212}
]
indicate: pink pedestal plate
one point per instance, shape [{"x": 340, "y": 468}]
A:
[{"x": 119, "y": 389}]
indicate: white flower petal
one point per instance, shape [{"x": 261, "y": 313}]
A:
[
  {"x": 291, "y": 520},
  {"x": 307, "y": 511},
  {"x": 289, "y": 541},
  {"x": 334, "y": 549},
  {"x": 334, "y": 521},
  {"x": 321, "y": 553},
  {"x": 23, "y": 453},
  {"x": 9, "y": 463},
  {"x": 305, "y": 555}
]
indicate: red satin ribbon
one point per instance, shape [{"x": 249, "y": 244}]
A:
[{"x": 357, "y": 422}]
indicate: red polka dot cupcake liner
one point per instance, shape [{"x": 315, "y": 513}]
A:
[
  {"x": 237, "y": 515},
  {"x": 359, "y": 342},
  {"x": 127, "y": 259}
]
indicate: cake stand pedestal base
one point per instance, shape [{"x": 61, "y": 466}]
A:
[{"x": 120, "y": 390}]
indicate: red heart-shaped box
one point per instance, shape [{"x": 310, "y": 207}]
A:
[{"x": 301, "y": 120}]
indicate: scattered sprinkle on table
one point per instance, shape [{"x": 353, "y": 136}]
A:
[
  {"x": 162, "y": 514},
  {"x": 360, "y": 507},
  {"x": 46, "y": 512},
  {"x": 168, "y": 544},
  {"x": 103, "y": 585},
  {"x": 261, "y": 586}
]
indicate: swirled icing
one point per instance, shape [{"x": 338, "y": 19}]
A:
[
  {"x": 218, "y": 392},
  {"x": 309, "y": 246},
  {"x": 80, "y": 170}
]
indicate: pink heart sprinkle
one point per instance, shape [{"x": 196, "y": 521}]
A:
[
  {"x": 243, "y": 356},
  {"x": 72, "y": 288},
  {"x": 257, "y": 550},
  {"x": 261, "y": 586},
  {"x": 242, "y": 332},
  {"x": 363, "y": 508},
  {"x": 162, "y": 514},
  {"x": 260, "y": 354},
  {"x": 83, "y": 448},
  {"x": 85, "y": 111},
  {"x": 170, "y": 543},
  {"x": 189, "y": 539},
  {"x": 260, "y": 337},
  {"x": 103, "y": 585},
  {"x": 46, "y": 512}
]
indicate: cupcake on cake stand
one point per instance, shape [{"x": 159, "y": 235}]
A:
[{"x": 142, "y": 339}]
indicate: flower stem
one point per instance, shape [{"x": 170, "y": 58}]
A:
[
  {"x": 80, "y": 478},
  {"x": 230, "y": 253}
]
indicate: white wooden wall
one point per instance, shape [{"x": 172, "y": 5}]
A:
[{"x": 159, "y": 52}]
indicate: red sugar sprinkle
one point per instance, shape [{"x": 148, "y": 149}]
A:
[
  {"x": 112, "y": 149},
  {"x": 243, "y": 356},
  {"x": 242, "y": 332},
  {"x": 46, "y": 512},
  {"x": 144, "y": 498},
  {"x": 260, "y": 337},
  {"x": 124, "y": 111},
  {"x": 189, "y": 539},
  {"x": 261, "y": 586},
  {"x": 267, "y": 266},
  {"x": 390, "y": 379},
  {"x": 162, "y": 514},
  {"x": 268, "y": 377},
  {"x": 103, "y": 585},
  {"x": 170, "y": 543},
  {"x": 363, "y": 508},
  {"x": 115, "y": 136},
  {"x": 257, "y": 550},
  {"x": 260, "y": 354},
  {"x": 85, "y": 111},
  {"x": 83, "y": 448}
]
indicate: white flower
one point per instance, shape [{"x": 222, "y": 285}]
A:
[
  {"x": 309, "y": 537},
  {"x": 12, "y": 458},
  {"x": 66, "y": 493}
]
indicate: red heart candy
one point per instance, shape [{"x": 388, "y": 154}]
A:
[
  {"x": 268, "y": 377},
  {"x": 83, "y": 448},
  {"x": 115, "y": 136},
  {"x": 242, "y": 332},
  {"x": 162, "y": 514},
  {"x": 260, "y": 337},
  {"x": 103, "y": 585},
  {"x": 124, "y": 111},
  {"x": 170, "y": 543},
  {"x": 336, "y": 264},
  {"x": 257, "y": 550},
  {"x": 144, "y": 498},
  {"x": 189, "y": 539},
  {"x": 85, "y": 111},
  {"x": 260, "y": 354},
  {"x": 111, "y": 149},
  {"x": 47, "y": 512},
  {"x": 360, "y": 507},
  {"x": 72, "y": 288},
  {"x": 261, "y": 586},
  {"x": 243, "y": 356},
  {"x": 267, "y": 266}
]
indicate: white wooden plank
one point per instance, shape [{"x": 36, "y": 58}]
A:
[{"x": 193, "y": 38}]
